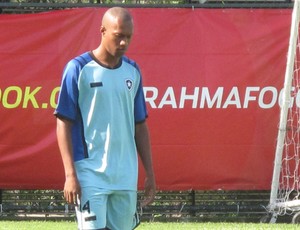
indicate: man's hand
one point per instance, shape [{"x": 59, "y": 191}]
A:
[
  {"x": 150, "y": 191},
  {"x": 72, "y": 190}
]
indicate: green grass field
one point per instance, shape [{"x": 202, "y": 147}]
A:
[{"x": 49, "y": 225}]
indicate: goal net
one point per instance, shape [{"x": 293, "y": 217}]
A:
[{"x": 285, "y": 190}]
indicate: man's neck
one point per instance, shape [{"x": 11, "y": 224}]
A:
[{"x": 105, "y": 59}]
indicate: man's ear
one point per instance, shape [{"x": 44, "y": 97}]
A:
[{"x": 102, "y": 29}]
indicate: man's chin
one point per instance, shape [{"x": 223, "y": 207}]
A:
[{"x": 120, "y": 52}]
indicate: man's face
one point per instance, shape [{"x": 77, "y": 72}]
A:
[{"x": 117, "y": 36}]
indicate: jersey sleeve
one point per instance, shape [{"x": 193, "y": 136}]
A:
[
  {"x": 140, "y": 109},
  {"x": 68, "y": 96}
]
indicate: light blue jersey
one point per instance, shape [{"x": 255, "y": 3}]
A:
[{"x": 104, "y": 105}]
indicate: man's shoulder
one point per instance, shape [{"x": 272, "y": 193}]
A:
[
  {"x": 131, "y": 62},
  {"x": 82, "y": 59}
]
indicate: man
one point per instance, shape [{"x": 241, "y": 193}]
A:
[{"x": 101, "y": 125}]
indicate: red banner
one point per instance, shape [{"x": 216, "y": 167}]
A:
[{"x": 212, "y": 81}]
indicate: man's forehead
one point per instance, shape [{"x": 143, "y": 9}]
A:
[{"x": 119, "y": 25}]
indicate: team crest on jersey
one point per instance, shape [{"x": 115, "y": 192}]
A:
[{"x": 129, "y": 84}]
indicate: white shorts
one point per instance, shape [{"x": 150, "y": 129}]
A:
[{"x": 100, "y": 209}]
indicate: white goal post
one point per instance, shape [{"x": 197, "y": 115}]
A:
[{"x": 285, "y": 189}]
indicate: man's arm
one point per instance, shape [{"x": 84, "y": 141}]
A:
[
  {"x": 72, "y": 189},
  {"x": 142, "y": 140}
]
